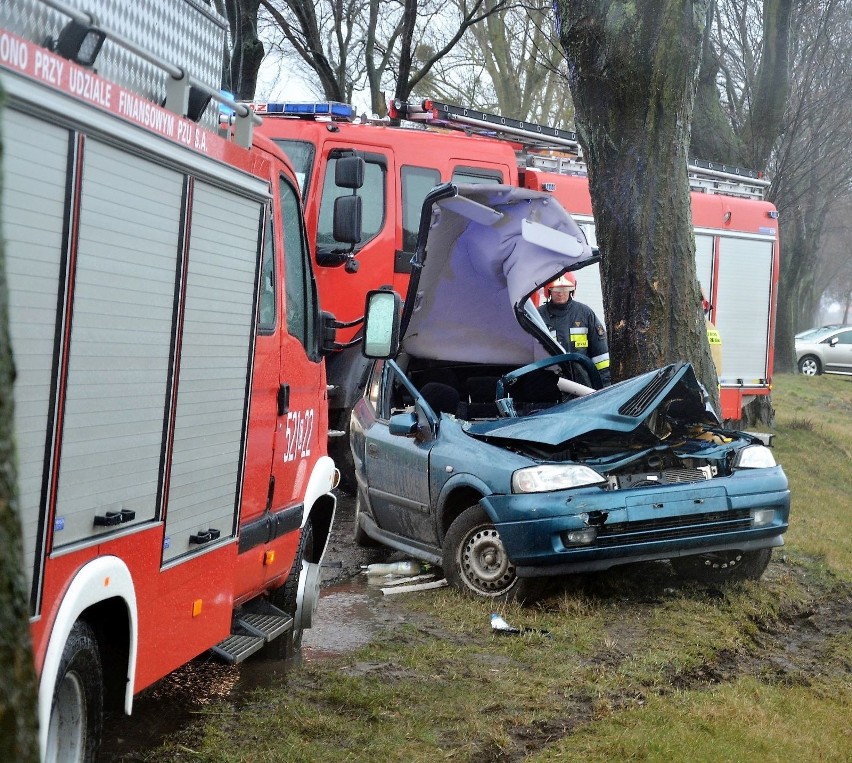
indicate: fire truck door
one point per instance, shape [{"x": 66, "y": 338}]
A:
[
  {"x": 375, "y": 253},
  {"x": 300, "y": 395}
]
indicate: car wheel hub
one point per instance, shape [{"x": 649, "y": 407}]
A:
[{"x": 485, "y": 562}]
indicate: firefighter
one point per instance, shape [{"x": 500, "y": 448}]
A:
[{"x": 575, "y": 325}]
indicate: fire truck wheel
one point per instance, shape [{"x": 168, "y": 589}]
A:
[
  {"x": 286, "y": 598},
  {"x": 74, "y": 733},
  {"x": 723, "y": 566}
]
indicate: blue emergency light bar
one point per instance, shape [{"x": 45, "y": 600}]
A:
[{"x": 332, "y": 109}]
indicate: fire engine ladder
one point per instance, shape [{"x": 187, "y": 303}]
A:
[
  {"x": 554, "y": 150},
  {"x": 255, "y": 624}
]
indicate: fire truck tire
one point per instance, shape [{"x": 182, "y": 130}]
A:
[
  {"x": 724, "y": 566},
  {"x": 286, "y": 598},
  {"x": 76, "y": 715},
  {"x": 809, "y": 365}
]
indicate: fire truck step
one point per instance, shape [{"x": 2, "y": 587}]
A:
[
  {"x": 266, "y": 626},
  {"x": 237, "y": 647}
]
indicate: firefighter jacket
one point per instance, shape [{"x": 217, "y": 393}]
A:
[{"x": 576, "y": 327}]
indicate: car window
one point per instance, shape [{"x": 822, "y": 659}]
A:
[{"x": 844, "y": 337}]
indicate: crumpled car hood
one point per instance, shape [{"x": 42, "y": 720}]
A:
[
  {"x": 489, "y": 247},
  {"x": 645, "y": 405}
]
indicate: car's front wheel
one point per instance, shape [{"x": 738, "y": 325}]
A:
[
  {"x": 809, "y": 365},
  {"x": 475, "y": 560},
  {"x": 724, "y": 566}
]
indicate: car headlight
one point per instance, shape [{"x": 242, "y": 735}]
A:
[
  {"x": 755, "y": 457},
  {"x": 541, "y": 479}
]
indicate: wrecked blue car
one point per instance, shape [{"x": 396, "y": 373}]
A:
[{"x": 480, "y": 446}]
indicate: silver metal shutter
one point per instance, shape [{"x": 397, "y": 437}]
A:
[
  {"x": 215, "y": 354},
  {"x": 745, "y": 274},
  {"x": 34, "y": 180},
  {"x": 704, "y": 262},
  {"x": 120, "y": 340}
]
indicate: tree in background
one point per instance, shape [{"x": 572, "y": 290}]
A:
[
  {"x": 245, "y": 51},
  {"x": 509, "y": 63},
  {"x": 834, "y": 276},
  {"x": 389, "y": 44},
  {"x": 18, "y": 719},
  {"x": 632, "y": 70},
  {"x": 775, "y": 94}
]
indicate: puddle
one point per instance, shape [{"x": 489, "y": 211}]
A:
[{"x": 345, "y": 619}]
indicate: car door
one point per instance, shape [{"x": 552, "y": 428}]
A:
[
  {"x": 396, "y": 466},
  {"x": 838, "y": 354}
]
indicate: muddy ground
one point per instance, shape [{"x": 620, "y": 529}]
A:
[
  {"x": 349, "y": 614},
  {"x": 790, "y": 649}
]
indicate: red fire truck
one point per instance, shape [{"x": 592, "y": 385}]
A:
[
  {"x": 170, "y": 399},
  {"x": 736, "y": 231}
]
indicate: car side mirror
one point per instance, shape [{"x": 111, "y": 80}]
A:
[
  {"x": 404, "y": 424},
  {"x": 833, "y": 341},
  {"x": 381, "y": 324}
]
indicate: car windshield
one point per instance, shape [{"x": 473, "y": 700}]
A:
[{"x": 814, "y": 335}]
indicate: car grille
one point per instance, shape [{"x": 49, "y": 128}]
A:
[
  {"x": 655, "y": 479},
  {"x": 671, "y": 528}
]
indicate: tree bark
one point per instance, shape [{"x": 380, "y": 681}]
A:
[
  {"x": 247, "y": 49},
  {"x": 18, "y": 719},
  {"x": 632, "y": 70}
]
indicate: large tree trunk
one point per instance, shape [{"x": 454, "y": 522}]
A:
[
  {"x": 632, "y": 72},
  {"x": 18, "y": 724}
]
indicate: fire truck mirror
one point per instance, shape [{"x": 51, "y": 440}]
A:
[
  {"x": 349, "y": 172},
  {"x": 346, "y": 226}
]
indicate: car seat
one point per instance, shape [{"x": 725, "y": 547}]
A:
[{"x": 442, "y": 398}]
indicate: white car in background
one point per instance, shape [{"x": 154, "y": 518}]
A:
[{"x": 825, "y": 351}]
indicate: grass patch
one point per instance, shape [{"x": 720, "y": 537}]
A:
[
  {"x": 741, "y": 720},
  {"x": 636, "y": 664}
]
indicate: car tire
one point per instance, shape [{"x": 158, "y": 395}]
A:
[
  {"x": 359, "y": 535},
  {"x": 76, "y": 714},
  {"x": 724, "y": 566},
  {"x": 476, "y": 562},
  {"x": 286, "y": 598},
  {"x": 809, "y": 365}
]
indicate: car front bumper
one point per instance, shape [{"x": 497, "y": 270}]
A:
[{"x": 641, "y": 524}]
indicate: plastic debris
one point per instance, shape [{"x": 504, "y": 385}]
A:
[
  {"x": 499, "y": 625},
  {"x": 407, "y": 567},
  {"x": 415, "y": 587}
]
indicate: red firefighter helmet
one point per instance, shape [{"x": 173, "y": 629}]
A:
[{"x": 565, "y": 280}]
